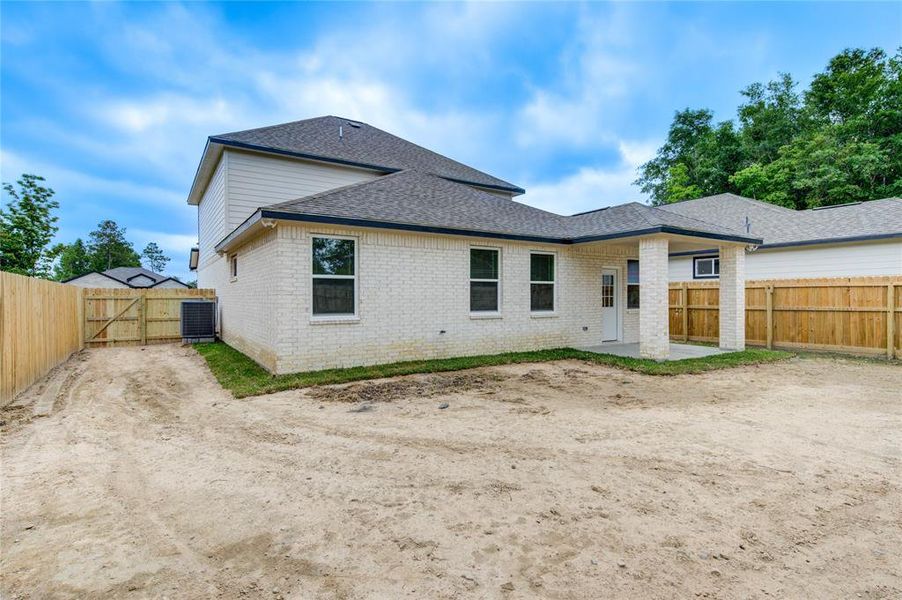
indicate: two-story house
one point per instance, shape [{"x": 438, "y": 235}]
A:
[{"x": 331, "y": 243}]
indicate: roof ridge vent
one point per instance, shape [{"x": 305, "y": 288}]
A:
[
  {"x": 835, "y": 206},
  {"x": 588, "y": 212}
]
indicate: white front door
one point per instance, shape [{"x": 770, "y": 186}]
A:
[{"x": 609, "y": 307}]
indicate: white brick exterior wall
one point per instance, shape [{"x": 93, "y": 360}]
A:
[
  {"x": 411, "y": 287},
  {"x": 732, "y": 297},
  {"x": 248, "y": 303},
  {"x": 654, "y": 324}
]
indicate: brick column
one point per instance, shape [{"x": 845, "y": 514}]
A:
[
  {"x": 732, "y": 297},
  {"x": 654, "y": 323}
]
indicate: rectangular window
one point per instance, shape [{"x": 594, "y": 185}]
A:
[
  {"x": 233, "y": 266},
  {"x": 541, "y": 282},
  {"x": 334, "y": 277},
  {"x": 705, "y": 267},
  {"x": 632, "y": 284},
  {"x": 485, "y": 284}
]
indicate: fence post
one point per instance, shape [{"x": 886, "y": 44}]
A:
[
  {"x": 890, "y": 321},
  {"x": 143, "y": 321},
  {"x": 684, "y": 305},
  {"x": 769, "y": 319},
  {"x": 85, "y": 326}
]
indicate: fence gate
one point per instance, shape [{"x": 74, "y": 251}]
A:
[{"x": 134, "y": 317}]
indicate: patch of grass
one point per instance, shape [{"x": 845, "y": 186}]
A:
[{"x": 243, "y": 377}]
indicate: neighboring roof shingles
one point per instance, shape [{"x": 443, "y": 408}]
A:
[
  {"x": 125, "y": 275},
  {"x": 777, "y": 225},
  {"x": 413, "y": 198},
  {"x": 359, "y": 144}
]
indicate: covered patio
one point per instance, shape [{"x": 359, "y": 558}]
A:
[{"x": 654, "y": 251}]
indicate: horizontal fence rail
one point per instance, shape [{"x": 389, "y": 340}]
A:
[
  {"x": 859, "y": 315},
  {"x": 42, "y": 323}
]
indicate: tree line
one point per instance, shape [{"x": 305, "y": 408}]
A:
[
  {"x": 837, "y": 141},
  {"x": 28, "y": 224}
]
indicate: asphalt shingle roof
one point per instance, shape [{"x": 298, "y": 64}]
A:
[
  {"x": 421, "y": 199},
  {"x": 779, "y": 225},
  {"x": 127, "y": 275},
  {"x": 358, "y": 144}
]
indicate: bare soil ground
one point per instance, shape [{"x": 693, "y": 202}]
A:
[{"x": 558, "y": 480}]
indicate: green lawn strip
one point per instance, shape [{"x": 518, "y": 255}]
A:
[{"x": 243, "y": 377}]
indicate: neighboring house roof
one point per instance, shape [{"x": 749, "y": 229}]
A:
[
  {"x": 779, "y": 226},
  {"x": 418, "y": 201},
  {"x": 71, "y": 279},
  {"x": 349, "y": 142},
  {"x": 130, "y": 276}
]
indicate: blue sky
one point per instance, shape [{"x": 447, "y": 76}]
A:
[{"x": 112, "y": 103}]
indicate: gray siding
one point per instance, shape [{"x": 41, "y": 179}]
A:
[
  {"x": 211, "y": 215},
  {"x": 256, "y": 180},
  {"x": 839, "y": 260}
]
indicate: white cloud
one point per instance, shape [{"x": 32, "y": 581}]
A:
[
  {"x": 67, "y": 181},
  {"x": 174, "y": 244},
  {"x": 593, "y": 187},
  {"x": 347, "y": 71},
  {"x": 140, "y": 116},
  {"x": 597, "y": 72}
]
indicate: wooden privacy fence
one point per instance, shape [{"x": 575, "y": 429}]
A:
[
  {"x": 860, "y": 315},
  {"x": 135, "y": 317},
  {"x": 42, "y": 323},
  {"x": 40, "y": 327}
]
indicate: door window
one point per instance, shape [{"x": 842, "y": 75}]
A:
[{"x": 607, "y": 291}]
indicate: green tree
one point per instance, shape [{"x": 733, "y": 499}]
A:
[
  {"x": 679, "y": 186},
  {"x": 687, "y": 131},
  {"x": 770, "y": 118},
  {"x": 109, "y": 248},
  {"x": 838, "y": 141},
  {"x": 858, "y": 99},
  {"x": 155, "y": 259},
  {"x": 26, "y": 227},
  {"x": 72, "y": 260},
  {"x": 717, "y": 156}
]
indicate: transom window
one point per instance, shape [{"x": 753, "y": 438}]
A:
[
  {"x": 334, "y": 277},
  {"x": 485, "y": 283},
  {"x": 705, "y": 267},
  {"x": 632, "y": 284},
  {"x": 541, "y": 282}
]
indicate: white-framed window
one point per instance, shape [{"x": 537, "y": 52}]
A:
[
  {"x": 705, "y": 267},
  {"x": 632, "y": 284},
  {"x": 334, "y": 286},
  {"x": 485, "y": 280},
  {"x": 233, "y": 267},
  {"x": 542, "y": 289}
]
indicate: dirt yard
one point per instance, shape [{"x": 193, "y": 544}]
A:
[{"x": 561, "y": 480}]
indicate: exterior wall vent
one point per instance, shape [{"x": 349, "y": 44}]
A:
[{"x": 198, "y": 321}]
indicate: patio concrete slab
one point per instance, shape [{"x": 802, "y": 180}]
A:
[{"x": 677, "y": 351}]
